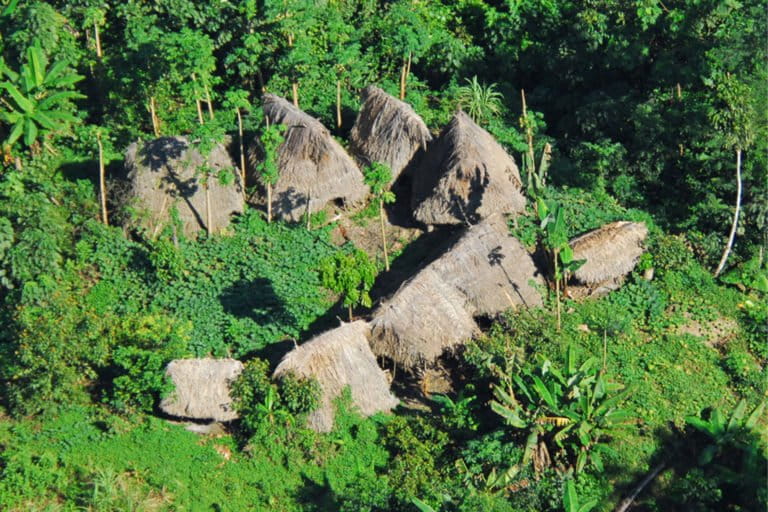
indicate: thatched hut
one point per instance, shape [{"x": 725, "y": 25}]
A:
[
  {"x": 170, "y": 172},
  {"x": 465, "y": 177},
  {"x": 485, "y": 272},
  {"x": 201, "y": 389},
  {"x": 611, "y": 251},
  {"x": 339, "y": 358},
  {"x": 387, "y": 130},
  {"x": 314, "y": 168}
]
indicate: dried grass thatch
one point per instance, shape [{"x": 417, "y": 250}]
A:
[
  {"x": 312, "y": 164},
  {"x": 202, "y": 388},
  {"x": 611, "y": 251},
  {"x": 465, "y": 176},
  {"x": 387, "y": 130},
  {"x": 484, "y": 273},
  {"x": 165, "y": 173},
  {"x": 339, "y": 358}
]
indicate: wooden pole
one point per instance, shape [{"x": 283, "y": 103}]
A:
[
  {"x": 153, "y": 113},
  {"x": 242, "y": 146},
  {"x": 98, "y": 38},
  {"x": 208, "y": 101},
  {"x": 338, "y": 104},
  {"x": 198, "y": 103},
  {"x": 383, "y": 235},
  {"x": 102, "y": 185}
]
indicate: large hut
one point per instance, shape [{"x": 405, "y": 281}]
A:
[
  {"x": 611, "y": 252},
  {"x": 201, "y": 389},
  {"x": 339, "y": 358},
  {"x": 485, "y": 272},
  {"x": 169, "y": 172},
  {"x": 388, "y": 131},
  {"x": 465, "y": 177},
  {"x": 313, "y": 168}
]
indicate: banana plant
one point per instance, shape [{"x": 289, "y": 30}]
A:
[
  {"x": 555, "y": 240},
  {"x": 571, "y": 501},
  {"x": 35, "y": 101},
  {"x": 568, "y": 413}
]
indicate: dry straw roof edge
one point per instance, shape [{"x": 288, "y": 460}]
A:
[
  {"x": 339, "y": 358},
  {"x": 465, "y": 176},
  {"x": 387, "y": 130},
  {"x": 611, "y": 251}
]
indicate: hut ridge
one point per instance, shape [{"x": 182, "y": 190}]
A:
[
  {"x": 465, "y": 176},
  {"x": 339, "y": 358},
  {"x": 387, "y": 130}
]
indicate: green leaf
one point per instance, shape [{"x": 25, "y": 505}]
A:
[
  {"x": 18, "y": 129},
  {"x": 58, "y": 97},
  {"x": 707, "y": 454},
  {"x": 570, "y": 498},
  {"x": 752, "y": 420},
  {"x": 30, "y": 132},
  {"x": 22, "y": 102},
  {"x": 737, "y": 415},
  {"x": 544, "y": 393},
  {"x": 423, "y": 507},
  {"x": 37, "y": 63}
]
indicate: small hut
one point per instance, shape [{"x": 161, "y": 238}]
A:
[
  {"x": 339, "y": 358},
  {"x": 465, "y": 177},
  {"x": 611, "y": 251},
  {"x": 314, "y": 168},
  {"x": 485, "y": 272},
  {"x": 201, "y": 389},
  {"x": 387, "y": 130},
  {"x": 169, "y": 172}
]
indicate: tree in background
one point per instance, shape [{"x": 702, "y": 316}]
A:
[
  {"x": 268, "y": 169},
  {"x": 378, "y": 176},
  {"x": 350, "y": 273}
]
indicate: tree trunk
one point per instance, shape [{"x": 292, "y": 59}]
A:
[
  {"x": 102, "y": 186},
  {"x": 295, "y": 92},
  {"x": 98, "y": 38},
  {"x": 153, "y": 114},
  {"x": 338, "y": 104},
  {"x": 383, "y": 235},
  {"x": 735, "y": 223},
  {"x": 209, "y": 223},
  {"x": 402, "y": 80},
  {"x": 349, "y": 310},
  {"x": 242, "y": 147},
  {"x": 269, "y": 203},
  {"x": 627, "y": 502}
]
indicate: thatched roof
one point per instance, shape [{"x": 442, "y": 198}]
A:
[
  {"x": 387, "y": 130},
  {"x": 611, "y": 251},
  {"x": 202, "y": 388},
  {"x": 484, "y": 273},
  {"x": 312, "y": 164},
  {"x": 424, "y": 318},
  {"x": 165, "y": 173},
  {"x": 339, "y": 358},
  {"x": 465, "y": 176}
]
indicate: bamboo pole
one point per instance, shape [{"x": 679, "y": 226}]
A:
[{"x": 98, "y": 38}]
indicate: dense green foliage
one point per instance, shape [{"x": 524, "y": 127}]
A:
[{"x": 631, "y": 111}]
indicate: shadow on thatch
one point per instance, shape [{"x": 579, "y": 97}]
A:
[
  {"x": 611, "y": 252},
  {"x": 465, "y": 176},
  {"x": 165, "y": 173},
  {"x": 340, "y": 358},
  {"x": 314, "y": 168},
  {"x": 485, "y": 272},
  {"x": 388, "y": 131},
  {"x": 201, "y": 389}
]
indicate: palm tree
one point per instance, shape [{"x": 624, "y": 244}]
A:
[{"x": 480, "y": 101}]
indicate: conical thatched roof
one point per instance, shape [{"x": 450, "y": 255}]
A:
[
  {"x": 202, "y": 388},
  {"x": 611, "y": 251},
  {"x": 165, "y": 173},
  {"x": 484, "y": 273},
  {"x": 339, "y": 358},
  {"x": 465, "y": 176},
  {"x": 387, "y": 130},
  {"x": 312, "y": 164}
]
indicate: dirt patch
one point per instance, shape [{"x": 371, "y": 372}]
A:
[{"x": 715, "y": 333}]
